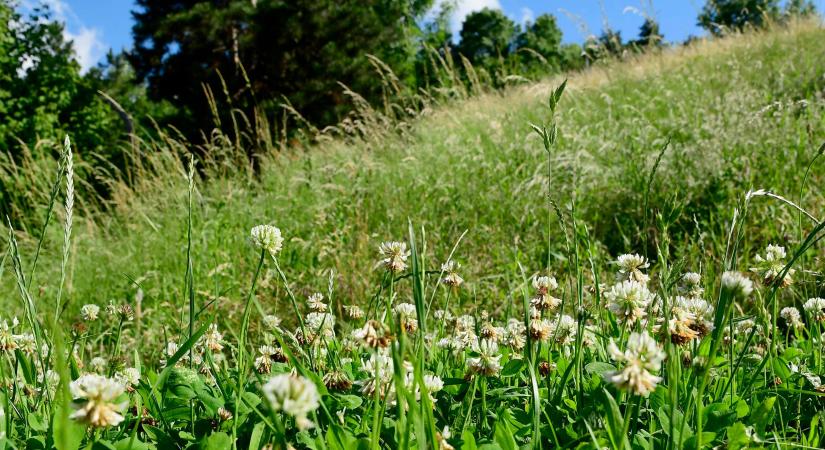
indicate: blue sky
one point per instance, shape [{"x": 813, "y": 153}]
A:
[{"x": 97, "y": 25}]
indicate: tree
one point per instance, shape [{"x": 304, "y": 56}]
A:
[
  {"x": 649, "y": 34},
  {"x": 540, "y": 40},
  {"x": 258, "y": 53},
  {"x": 717, "y": 16},
  {"x": 486, "y": 34}
]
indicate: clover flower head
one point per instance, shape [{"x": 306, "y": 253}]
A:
[{"x": 268, "y": 238}]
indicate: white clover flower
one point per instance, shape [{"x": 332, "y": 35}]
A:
[
  {"x": 406, "y": 316},
  {"x": 543, "y": 301},
  {"x": 629, "y": 300},
  {"x": 316, "y": 302},
  {"x": 26, "y": 343},
  {"x": 272, "y": 322},
  {"x": 321, "y": 323},
  {"x": 294, "y": 395},
  {"x": 98, "y": 364},
  {"x": 792, "y": 317},
  {"x": 96, "y": 400},
  {"x": 691, "y": 286},
  {"x": 354, "y": 312},
  {"x": 263, "y": 363},
  {"x": 212, "y": 338},
  {"x": 544, "y": 284},
  {"x": 815, "y": 307},
  {"x": 465, "y": 322},
  {"x": 393, "y": 256},
  {"x": 701, "y": 311},
  {"x": 373, "y": 334},
  {"x": 129, "y": 376},
  {"x": 268, "y": 238},
  {"x": 89, "y": 312},
  {"x": 737, "y": 284},
  {"x": 541, "y": 329},
  {"x": 8, "y": 343},
  {"x": 488, "y": 363},
  {"x": 630, "y": 268},
  {"x": 565, "y": 329},
  {"x": 515, "y": 334},
  {"x": 442, "y": 315},
  {"x": 451, "y": 277},
  {"x": 641, "y": 357},
  {"x": 770, "y": 266}
]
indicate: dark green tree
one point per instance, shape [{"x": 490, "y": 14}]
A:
[
  {"x": 485, "y": 35},
  {"x": 717, "y": 16},
  {"x": 539, "y": 45},
  {"x": 258, "y": 53},
  {"x": 649, "y": 34}
]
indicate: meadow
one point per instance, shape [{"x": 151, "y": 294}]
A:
[{"x": 628, "y": 258}]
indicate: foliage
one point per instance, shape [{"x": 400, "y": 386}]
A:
[{"x": 718, "y": 16}]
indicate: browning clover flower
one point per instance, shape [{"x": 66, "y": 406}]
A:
[
  {"x": 641, "y": 357},
  {"x": 96, "y": 400},
  {"x": 792, "y": 317},
  {"x": 268, "y": 238},
  {"x": 393, "y": 256},
  {"x": 543, "y": 301},
  {"x": 294, "y": 395},
  {"x": 770, "y": 267},
  {"x": 451, "y": 276},
  {"x": 316, "y": 303},
  {"x": 630, "y": 268}
]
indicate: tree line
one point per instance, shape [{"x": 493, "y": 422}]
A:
[{"x": 195, "y": 62}]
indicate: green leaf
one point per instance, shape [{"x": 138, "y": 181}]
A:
[
  {"x": 255, "y": 438},
  {"x": 513, "y": 367},
  {"x": 707, "y": 438},
  {"x": 762, "y": 415},
  {"x": 503, "y": 433},
  {"x": 599, "y": 368},
  {"x": 469, "y": 442},
  {"x": 132, "y": 444},
  {"x": 737, "y": 436},
  {"x": 348, "y": 401},
  {"x": 215, "y": 441}
]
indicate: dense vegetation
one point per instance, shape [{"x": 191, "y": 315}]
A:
[{"x": 640, "y": 268}]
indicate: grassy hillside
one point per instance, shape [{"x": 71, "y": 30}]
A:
[
  {"x": 182, "y": 331},
  {"x": 739, "y": 113}
]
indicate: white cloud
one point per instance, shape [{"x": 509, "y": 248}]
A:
[
  {"x": 89, "y": 48},
  {"x": 527, "y": 15},
  {"x": 87, "y": 42},
  {"x": 463, "y": 8}
]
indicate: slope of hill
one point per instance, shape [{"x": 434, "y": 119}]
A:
[{"x": 739, "y": 113}]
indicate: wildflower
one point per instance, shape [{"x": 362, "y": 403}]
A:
[
  {"x": 98, "y": 364},
  {"x": 792, "y": 317},
  {"x": 541, "y": 329},
  {"x": 212, "y": 338},
  {"x": 546, "y": 367},
  {"x": 628, "y": 300},
  {"x": 681, "y": 326},
  {"x": 630, "y": 268},
  {"x": 379, "y": 370},
  {"x": 224, "y": 414},
  {"x": 443, "y": 316},
  {"x": 337, "y": 380},
  {"x": 737, "y": 284},
  {"x": 406, "y": 316},
  {"x": 433, "y": 384},
  {"x": 272, "y": 322},
  {"x": 316, "y": 303},
  {"x": 816, "y": 308},
  {"x": 491, "y": 332},
  {"x": 442, "y": 437},
  {"x": 96, "y": 400},
  {"x": 89, "y": 312},
  {"x": 692, "y": 285},
  {"x": 373, "y": 334},
  {"x": 125, "y": 312},
  {"x": 543, "y": 301},
  {"x": 514, "y": 334},
  {"x": 128, "y": 377},
  {"x": 354, "y": 312},
  {"x": 488, "y": 361},
  {"x": 451, "y": 277},
  {"x": 321, "y": 324},
  {"x": 565, "y": 330},
  {"x": 771, "y": 265},
  {"x": 294, "y": 395},
  {"x": 26, "y": 343},
  {"x": 263, "y": 363},
  {"x": 702, "y": 312},
  {"x": 393, "y": 256},
  {"x": 268, "y": 238},
  {"x": 641, "y": 357}
]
